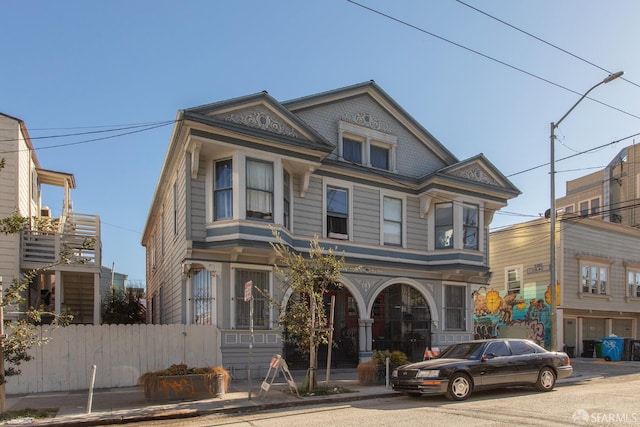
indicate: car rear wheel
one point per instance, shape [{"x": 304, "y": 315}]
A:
[
  {"x": 459, "y": 387},
  {"x": 546, "y": 379}
]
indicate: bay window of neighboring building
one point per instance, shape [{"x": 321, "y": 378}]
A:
[
  {"x": 594, "y": 278},
  {"x": 590, "y": 207},
  {"x": 633, "y": 283},
  {"x": 454, "y": 308},
  {"x": 337, "y": 212},
  {"x": 444, "y": 225},
  {"x": 259, "y": 191},
  {"x": 201, "y": 298},
  {"x": 260, "y": 281},
  {"x": 392, "y": 214},
  {"x": 223, "y": 190}
]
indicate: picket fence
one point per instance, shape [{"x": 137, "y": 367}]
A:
[{"x": 121, "y": 353}]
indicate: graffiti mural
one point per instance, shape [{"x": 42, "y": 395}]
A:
[{"x": 526, "y": 314}]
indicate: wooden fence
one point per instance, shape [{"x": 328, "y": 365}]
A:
[{"x": 121, "y": 354}]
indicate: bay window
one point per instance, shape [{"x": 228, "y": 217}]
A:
[
  {"x": 223, "y": 190},
  {"x": 444, "y": 225},
  {"x": 259, "y": 189},
  {"x": 470, "y": 226}
]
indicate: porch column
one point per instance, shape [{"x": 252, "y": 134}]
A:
[{"x": 364, "y": 334}]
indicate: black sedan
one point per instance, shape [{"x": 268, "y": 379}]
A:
[{"x": 483, "y": 364}]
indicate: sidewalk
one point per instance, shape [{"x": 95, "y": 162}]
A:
[{"x": 127, "y": 404}]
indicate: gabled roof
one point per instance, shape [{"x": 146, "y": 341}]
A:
[
  {"x": 27, "y": 138},
  {"x": 371, "y": 89},
  {"x": 272, "y": 118},
  {"x": 475, "y": 175}
]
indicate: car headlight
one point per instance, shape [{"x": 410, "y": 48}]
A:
[{"x": 428, "y": 374}]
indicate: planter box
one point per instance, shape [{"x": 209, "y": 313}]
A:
[{"x": 166, "y": 388}]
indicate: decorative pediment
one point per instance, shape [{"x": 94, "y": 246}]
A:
[
  {"x": 261, "y": 118},
  {"x": 366, "y": 120},
  {"x": 475, "y": 173}
]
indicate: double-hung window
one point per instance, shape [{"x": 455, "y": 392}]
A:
[
  {"x": 454, "y": 308},
  {"x": 633, "y": 282},
  {"x": 514, "y": 279},
  {"x": 379, "y": 157},
  {"x": 352, "y": 150},
  {"x": 593, "y": 278},
  {"x": 260, "y": 282},
  {"x": 259, "y": 189},
  {"x": 337, "y": 203},
  {"x": 392, "y": 220},
  {"x": 223, "y": 190},
  {"x": 470, "y": 226},
  {"x": 444, "y": 225}
]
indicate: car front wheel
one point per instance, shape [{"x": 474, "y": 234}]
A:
[
  {"x": 546, "y": 379},
  {"x": 459, "y": 387}
]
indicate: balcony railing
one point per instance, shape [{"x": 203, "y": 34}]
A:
[{"x": 76, "y": 244}]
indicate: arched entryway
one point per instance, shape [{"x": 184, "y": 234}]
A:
[
  {"x": 401, "y": 321},
  {"x": 345, "y": 352}
]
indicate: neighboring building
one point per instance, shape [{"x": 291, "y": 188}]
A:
[
  {"x": 111, "y": 281},
  {"x": 348, "y": 165},
  {"x": 598, "y": 282},
  {"x": 73, "y": 285},
  {"x": 610, "y": 194},
  {"x": 597, "y": 265}
]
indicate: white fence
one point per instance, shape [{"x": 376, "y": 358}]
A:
[{"x": 121, "y": 354}]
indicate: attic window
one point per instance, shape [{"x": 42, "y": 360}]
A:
[{"x": 365, "y": 146}]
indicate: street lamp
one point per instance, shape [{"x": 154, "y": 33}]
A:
[{"x": 552, "y": 213}]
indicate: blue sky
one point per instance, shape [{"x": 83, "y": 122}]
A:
[{"x": 79, "y": 66}]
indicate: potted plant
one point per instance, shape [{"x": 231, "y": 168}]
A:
[{"x": 179, "y": 382}]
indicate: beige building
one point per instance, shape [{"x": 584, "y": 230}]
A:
[
  {"x": 73, "y": 285},
  {"x": 598, "y": 264}
]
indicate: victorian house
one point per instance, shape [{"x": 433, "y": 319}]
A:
[{"x": 349, "y": 166}]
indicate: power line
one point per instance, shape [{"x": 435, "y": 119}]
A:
[
  {"x": 491, "y": 58},
  {"x": 543, "y": 41},
  {"x": 93, "y": 140},
  {"x": 91, "y": 132},
  {"x": 575, "y": 154}
]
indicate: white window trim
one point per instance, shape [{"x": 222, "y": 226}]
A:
[
  {"x": 239, "y": 180},
  {"x": 520, "y": 270},
  {"x": 235, "y": 267},
  {"x": 458, "y": 226},
  {"x": 190, "y": 315},
  {"x": 599, "y": 264},
  {"x": 403, "y": 231},
  {"x": 368, "y": 137},
  {"x": 329, "y": 182},
  {"x": 588, "y": 202},
  {"x": 629, "y": 268},
  {"x": 465, "y": 309},
  {"x": 599, "y": 199}
]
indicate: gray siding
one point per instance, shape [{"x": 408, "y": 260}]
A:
[
  {"x": 196, "y": 201},
  {"x": 417, "y": 228},
  {"x": 413, "y": 157},
  {"x": 307, "y": 211},
  {"x": 366, "y": 215}
]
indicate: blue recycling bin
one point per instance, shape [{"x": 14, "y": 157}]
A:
[{"x": 612, "y": 348}]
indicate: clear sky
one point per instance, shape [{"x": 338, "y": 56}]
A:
[{"x": 476, "y": 84}]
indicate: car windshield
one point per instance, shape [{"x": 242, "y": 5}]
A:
[{"x": 469, "y": 350}]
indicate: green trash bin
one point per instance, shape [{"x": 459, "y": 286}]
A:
[{"x": 599, "y": 353}]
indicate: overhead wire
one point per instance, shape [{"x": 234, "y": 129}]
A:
[
  {"x": 544, "y": 41},
  {"x": 491, "y": 58}
]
